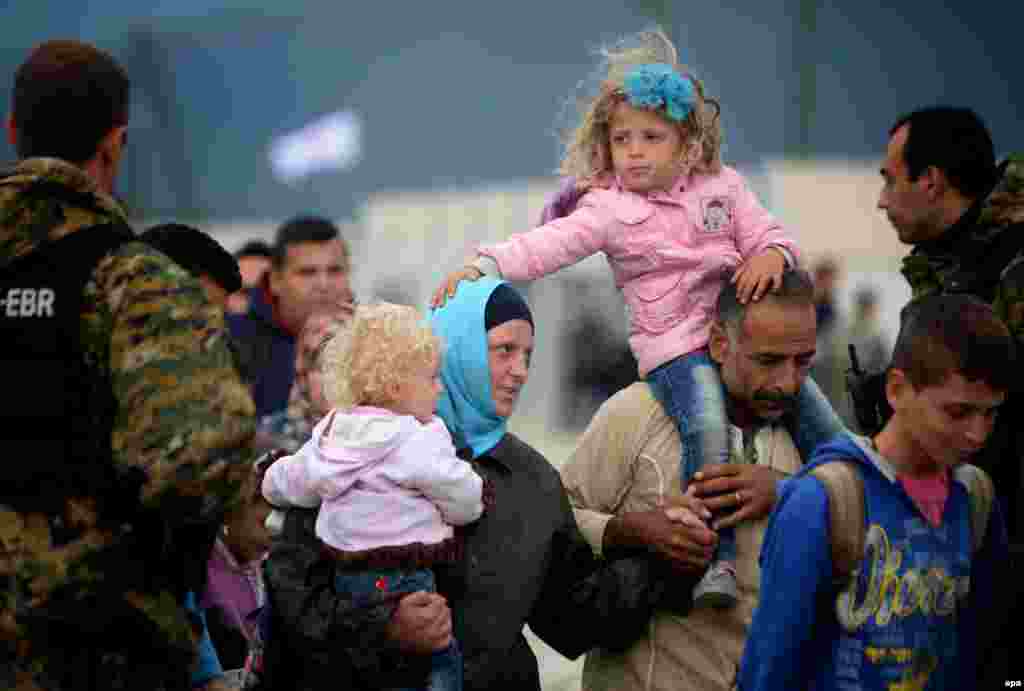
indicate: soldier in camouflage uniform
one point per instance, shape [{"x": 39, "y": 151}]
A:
[
  {"x": 97, "y": 552},
  {"x": 964, "y": 217}
]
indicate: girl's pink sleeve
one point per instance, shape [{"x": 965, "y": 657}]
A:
[
  {"x": 553, "y": 246},
  {"x": 756, "y": 228},
  {"x": 286, "y": 483}
]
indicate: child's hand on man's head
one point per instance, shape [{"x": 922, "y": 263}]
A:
[
  {"x": 759, "y": 274},
  {"x": 450, "y": 284}
]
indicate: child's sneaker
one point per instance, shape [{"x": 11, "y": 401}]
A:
[{"x": 717, "y": 588}]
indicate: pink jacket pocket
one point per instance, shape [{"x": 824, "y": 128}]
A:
[
  {"x": 633, "y": 211},
  {"x": 637, "y": 237},
  {"x": 657, "y": 301}
]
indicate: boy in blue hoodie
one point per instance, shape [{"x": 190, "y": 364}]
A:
[{"x": 905, "y": 617}]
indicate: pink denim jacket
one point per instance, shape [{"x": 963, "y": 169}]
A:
[{"x": 669, "y": 253}]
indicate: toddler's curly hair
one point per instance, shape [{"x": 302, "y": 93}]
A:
[
  {"x": 379, "y": 347},
  {"x": 588, "y": 153}
]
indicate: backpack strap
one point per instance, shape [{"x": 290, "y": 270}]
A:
[
  {"x": 980, "y": 490},
  {"x": 845, "y": 489}
]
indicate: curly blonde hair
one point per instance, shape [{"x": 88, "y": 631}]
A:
[
  {"x": 381, "y": 345},
  {"x": 588, "y": 152}
]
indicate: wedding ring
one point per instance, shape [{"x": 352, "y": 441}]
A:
[{"x": 739, "y": 497}]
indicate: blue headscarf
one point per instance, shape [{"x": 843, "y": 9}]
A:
[{"x": 466, "y": 405}]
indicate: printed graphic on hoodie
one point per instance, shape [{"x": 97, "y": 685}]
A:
[{"x": 897, "y": 612}]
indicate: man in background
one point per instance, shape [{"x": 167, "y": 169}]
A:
[
  {"x": 254, "y": 260},
  {"x": 310, "y": 271}
]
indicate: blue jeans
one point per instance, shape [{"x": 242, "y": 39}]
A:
[
  {"x": 690, "y": 390},
  {"x": 364, "y": 588}
]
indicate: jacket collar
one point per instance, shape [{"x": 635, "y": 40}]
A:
[
  {"x": 46, "y": 199},
  {"x": 674, "y": 195},
  {"x": 966, "y": 228},
  {"x": 68, "y": 175},
  {"x": 881, "y": 463}
]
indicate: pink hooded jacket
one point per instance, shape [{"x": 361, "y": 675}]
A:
[
  {"x": 380, "y": 480},
  {"x": 669, "y": 253}
]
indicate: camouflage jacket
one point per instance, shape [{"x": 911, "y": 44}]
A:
[
  {"x": 976, "y": 255},
  {"x": 181, "y": 413}
]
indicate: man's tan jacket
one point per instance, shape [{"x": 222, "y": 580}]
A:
[{"x": 628, "y": 460}]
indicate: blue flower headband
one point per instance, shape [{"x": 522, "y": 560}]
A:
[{"x": 657, "y": 84}]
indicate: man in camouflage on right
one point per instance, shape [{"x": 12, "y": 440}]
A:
[
  {"x": 121, "y": 411},
  {"x": 964, "y": 217}
]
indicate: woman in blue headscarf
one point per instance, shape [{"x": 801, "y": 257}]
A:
[
  {"x": 525, "y": 560},
  {"x": 488, "y": 334}
]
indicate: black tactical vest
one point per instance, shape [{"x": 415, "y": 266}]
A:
[{"x": 56, "y": 411}]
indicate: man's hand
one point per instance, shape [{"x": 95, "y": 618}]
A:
[
  {"x": 742, "y": 491},
  {"x": 422, "y": 624},
  {"x": 451, "y": 283},
  {"x": 677, "y": 532}
]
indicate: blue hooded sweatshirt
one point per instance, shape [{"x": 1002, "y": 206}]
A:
[{"x": 908, "y": 620}]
